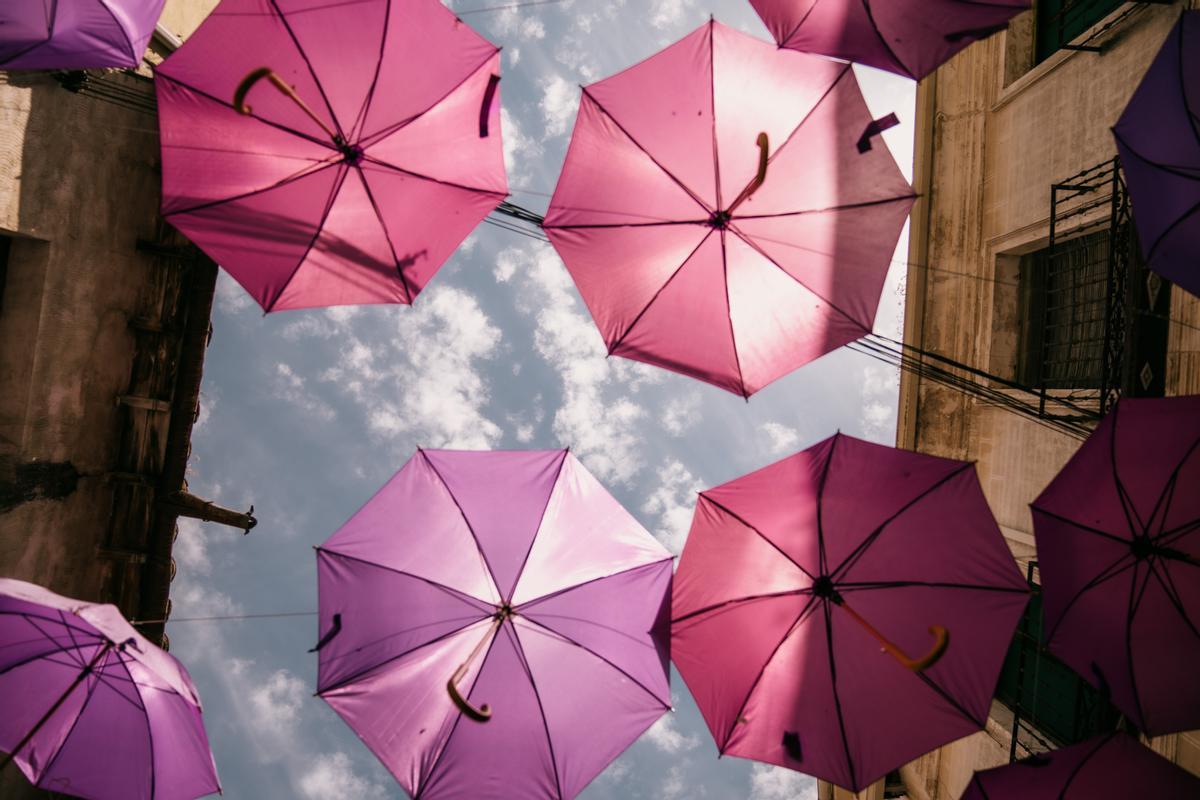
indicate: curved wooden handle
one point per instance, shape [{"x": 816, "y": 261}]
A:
[
  {"x": 758, "y": 179},
  {"x": 481, "y": 714},
  {"x": 941, "y": 642},
  {"x": 243, "y": 88}
]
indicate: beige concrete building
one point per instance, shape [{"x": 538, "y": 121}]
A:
[
  {"x": 998, "y": 128},
  {"x": 104, "y": 321}
]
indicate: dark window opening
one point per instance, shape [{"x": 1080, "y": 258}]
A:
[
  {"x": 5, "y": 246},
  {"x": 1061, "y": 21}
]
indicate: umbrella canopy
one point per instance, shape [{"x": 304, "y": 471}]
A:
[
  {"x": 907, "y": 37},
  {"x": 1158, "y": 138},
  {"x": 368, "y": 152},
  {"x": 1112, "y": 767},
  {"x": 794, "y": 577},
  {"x": 75, "y": 34},
  {"x": 726, "y": 211},
  {"x": 1118, "y": 542},
  {"x": 495, "y": 625},
  {"x": 93, "y": 709}
]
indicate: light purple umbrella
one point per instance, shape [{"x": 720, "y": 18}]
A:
[
  {"x": 1118, "y": 541},
  {"x": 1158, "y": 137},
  {"x": 907, "y": 37},
  {"x": 75, "y": 34},
  {"x": 495, "y": 625},
  {"x": 1112, "y": 767},
  {"x": 90, "y": 708}
]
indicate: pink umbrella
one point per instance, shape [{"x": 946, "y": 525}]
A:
[
  {"x": 355, "y": 174},
  {"x": 725, "y": 210},
  {"x": 75, "y": 34},
  {"x": 844, "y": 610},
  {"x": 907, "y": 37},
  {"x": 1118, "y": 540},
  {"x": 1112, "y": 767},
  {"x": 495, "y": 625},
  {"x": 91, "y": 708}
]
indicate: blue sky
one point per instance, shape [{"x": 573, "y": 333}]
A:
[{"x": 305, "y": 414}]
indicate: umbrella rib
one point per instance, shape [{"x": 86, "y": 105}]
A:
[
  {"x": 521, "y": 570},
  {"x": 1173, "y": 170},
  {"x": 942, "y": 693},
  {"x": 1168, "y": 585},
  {"x": 459, "y": 595},
  {"x": 516, "y": 636},
  {"x": 783, "y": 42},
  {"x": 821, "y": 559},
  {"x": 1135, "y": 600},
  {"x": 137, "y": 57},
  {"x": 388, "y": 165},
  {"x": 866, "y": 585},
  {"x": 408, "y": 292},
  {"x": 587, "y": 649},
  {"x": 879, "y": 34},
  {"x": 655, "y": 161},
  {"x": 1182, "y": 84},
  {"x": 63, "y": 617},
  {"x": 1081, "y": 526},
  {"x": 712, "y": 100},
  {"x": 620, "y": 339},
  {"x": 737, "y": 359},
  {"x": 736, "y": 601},
  {"x": 1108, "y": 573},
  {"x": 306, "y": 172},
  {"x": 837, "y": 700},
  {"x": 1177, "y": 533},
  {"x": 566, "y": 589},
  {"x": 1131, "y": 516},
  {"x": 737, "y": 517},
  {"x": 467, "y": 522},
  {"x": 82, "y": 710},
  {"x": 361, "y": 117},
  {"x": 1170, "y": 229},
  {"x": 383, "y": 133},
  {"x": 149, "y": 731},
  {"x": 339, "y": 181},
  {"x": 304, "y": 57},
  {"x": 800, "y": 618},
  {"x": 851, "y": 559},
  {"x": 50, "y": 24},
  {"x": 842, "y": 207},
  {"x": 1168, "y": 494},
  {"x": 1082, "y": 763},
  {"x": 39, "y": 657},
  {"x": 979, "y": 785},
  {"x": 604, "y": 225}
]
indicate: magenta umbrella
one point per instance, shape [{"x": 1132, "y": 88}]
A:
[
  {"x": 496, "y": 625},
  {"x": 726, "y": 210},
  {"x": 1112, "y": 767},
  {"x": 75, "y": 34},
  {"x": 907, "y": 37},
  {"x": 1118, "y": 540},
  {"x": 91, "y": 708},
  {"x": 352, "y": 172},
  {"x": 844, "y": 610}
]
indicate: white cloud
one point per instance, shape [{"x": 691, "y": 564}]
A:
[
  {"x": 664, "y": 735},
  {"x": 681, "y": 413},
  {"x": 276, "y": 701},
  {"x": 520, "y": 151},
  {"x": 673, "y": 786},
  {"x": 776, "y": 783},
  {"x": 673, "y": 502},
  {"x": 289, "y": 387},
  {"x": 780, "y": 438},
  {"x": 669, "y": 13},
  {"x": 880, "y": 397},
  {"x": 332, "y": 775},
  {"x": 557, "y": 104},
  {"x": 231, "y": 298}
]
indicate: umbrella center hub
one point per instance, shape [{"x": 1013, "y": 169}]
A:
[
  {"x": 823, "y": 588},
  {"x": 719, "y": 220},
  {"x": 1142, "y": 547},
  {"x": 504, "y": 612},
  {"x": 352, "y": 154}
]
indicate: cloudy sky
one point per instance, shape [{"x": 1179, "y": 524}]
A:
[{"x": 305, "y": 414}]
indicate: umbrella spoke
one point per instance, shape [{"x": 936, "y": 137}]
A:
[
  {"x": 902, "y": 584},
  {"x": 837, "y": 700},
  {"x": 1135, "y": 522},
  {"x": 1108, "y": 573},
  {"x": 1168, "y": 586},
  {"x": 1135, "y": 600},
  {"x": 515, "y": 640},
  {"x": 1168, "y": 493},
  {"x": 337, "y": 137},
  {"x": 737, "y": 601},
  {"x": 1081, "y": 526},
  {"x": 482, "y": 555},
  {"x": 740, "y": 519}
]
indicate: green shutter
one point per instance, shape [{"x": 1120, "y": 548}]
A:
[{"x": 1060, "y": 21}]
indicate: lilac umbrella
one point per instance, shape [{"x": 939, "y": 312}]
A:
[
  {"x": 1158, "y": 137},
  {"x": 844, "y": 610},
  {"x": 75, "y": 34},
  {"x": 331, "y": 153},
  {"x": 907, "y": 37},
  {"x": 1118, "y": 541},
  {"x": 496, "y": 625},
  {"x": 1112, "y": 767},
  {"x": 93, "y": 709}
]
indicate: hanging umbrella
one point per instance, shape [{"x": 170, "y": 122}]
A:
[
  {"x": 726, "y": 210},
  {"x": 1158, "y": 138},
  {"x": 75, "y": 34},
  {"x": 844, "y": 610},
  {"x": 495, "y": 625},
  {"x": 907, "y": 37},
  {"x": 91, "y": 708},
  {"x": 1112, "y": 767},
  {"x": 1118, "y": 542},
  {"x": 327, "y": 154}
]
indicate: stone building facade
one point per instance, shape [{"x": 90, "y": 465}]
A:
[{"x": 997, "y": 129}]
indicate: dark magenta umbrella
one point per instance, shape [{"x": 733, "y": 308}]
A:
[
  {"x": 331, "y": 153},
  {"x": 1112, "y": 767},
  {"x": 75, "y": 34},
  {"x": 1158, "y": 137},
  {"x": 1118, "y": 542},
  {"x": 495, "y": 625},
  {"x": 908, "y": 37},
  {"x": 90, "y": 708},
  {"x": 727, "y": 209},
  {"x": 844, "y": 610}
]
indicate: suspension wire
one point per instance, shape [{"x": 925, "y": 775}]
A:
[
  {"x": 526, "y": 4},
  {"x": 138, "y": 622}
]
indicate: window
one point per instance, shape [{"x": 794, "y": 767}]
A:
[
  {"x": 1052, "y": 704},
  {"x": 5, "y": 246},
  {"x": 1061, "y": 21}
]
